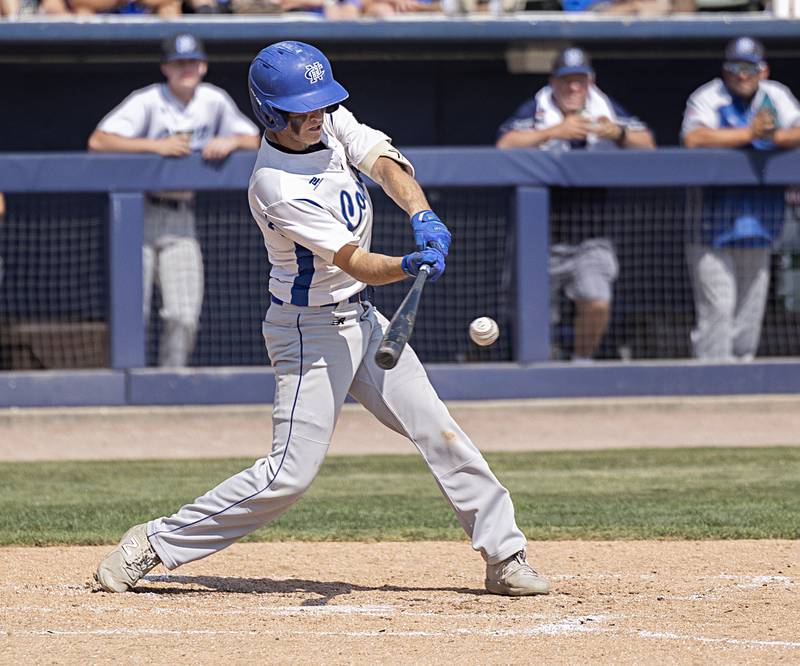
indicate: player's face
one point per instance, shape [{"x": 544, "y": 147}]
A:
[
  {"x": 570, "y": 91},
  {"x": 742, "y": 78},
  {"x": 184, "y": 75},
  {"x": 302, "y": 130}
]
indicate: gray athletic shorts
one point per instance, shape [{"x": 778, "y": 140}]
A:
[{"x": 585, "y": 272}]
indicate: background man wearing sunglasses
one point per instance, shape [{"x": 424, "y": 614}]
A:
[{"x": 731, "y": 230}]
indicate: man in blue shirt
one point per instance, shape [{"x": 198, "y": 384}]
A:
[{"x": 731, "y": 230}]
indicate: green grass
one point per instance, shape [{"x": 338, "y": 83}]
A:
[{"x": 622, "y": 494}]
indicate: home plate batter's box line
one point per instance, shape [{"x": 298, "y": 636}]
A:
[
  {"x": 260, "y": 611},
  {"x": 588, "y": 624}
]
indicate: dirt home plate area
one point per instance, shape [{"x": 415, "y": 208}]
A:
[{"x": 624, "y": 602}]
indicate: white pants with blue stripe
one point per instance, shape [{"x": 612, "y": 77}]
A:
[{"x": 319, "y": 356}]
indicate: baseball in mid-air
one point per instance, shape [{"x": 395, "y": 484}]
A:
[{"x": 484, "y": 331}]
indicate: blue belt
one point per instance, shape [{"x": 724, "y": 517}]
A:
[{"x": 360, "y": 297}]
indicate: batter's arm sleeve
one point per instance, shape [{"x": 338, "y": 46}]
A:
[
  {"x": 358, "y": 139},
  {"x": 384, "y": 149}
]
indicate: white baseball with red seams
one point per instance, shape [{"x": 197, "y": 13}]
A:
[{"x": 484, "y": 331}]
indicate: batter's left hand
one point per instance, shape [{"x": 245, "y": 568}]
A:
[
  {"x": 413, "y": 262},
  {"x": 430, "y": 231},
  {"x": 219, "y": 148}
]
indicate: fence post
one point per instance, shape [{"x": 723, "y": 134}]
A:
[
  {"x": 125, "y": 239},
  {"x": 532, "y": 219}
]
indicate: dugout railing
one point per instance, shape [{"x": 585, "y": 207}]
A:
[{"x": 502, "y": 206}]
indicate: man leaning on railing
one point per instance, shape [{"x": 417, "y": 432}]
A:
[
  {"x": 732, "y": 230},
  {"x": 173, "y": 119},
  {"x": 572, "y": 113}
]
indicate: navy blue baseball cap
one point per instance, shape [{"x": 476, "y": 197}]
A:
[
  {"x": 182, "y": 47},
  {"x": 572, "y": 61},
  {"x": 744, "y": 49}
]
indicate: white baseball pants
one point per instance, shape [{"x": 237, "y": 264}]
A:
[
  {"x": 730, "y": 295},
  {"x": 172, "y": 259},
  {"x": 319, "y": 356}
]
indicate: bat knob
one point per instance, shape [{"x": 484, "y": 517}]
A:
[{"x": 388, "y": 354}]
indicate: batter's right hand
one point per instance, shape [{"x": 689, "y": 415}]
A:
[
  {"x": 433, "y": 258},
  {"x": 176, "y": 145}
]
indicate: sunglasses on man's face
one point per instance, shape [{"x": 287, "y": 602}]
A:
[{"x": 746, "y": 68}]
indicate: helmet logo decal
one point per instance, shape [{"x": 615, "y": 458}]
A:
[{"x": 315, "y": 72}]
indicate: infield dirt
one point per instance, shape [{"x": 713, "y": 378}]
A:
[{"x": 420, "y": 603}]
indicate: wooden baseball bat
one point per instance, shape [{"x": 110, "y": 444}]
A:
[{"x": 402, "y": 324}]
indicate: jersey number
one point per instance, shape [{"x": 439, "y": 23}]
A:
[{"x": 349, "y": 208}]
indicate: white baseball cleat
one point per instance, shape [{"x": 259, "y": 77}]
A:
[
  {"x": 514, "y": 577},
  {"x": 124, "y": 566}
]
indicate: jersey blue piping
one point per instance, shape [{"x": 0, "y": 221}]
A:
[
  {"x": 311, "y": 201},
  {"x": 283, "y": 457},
  {"x": 305, "y": 273}
]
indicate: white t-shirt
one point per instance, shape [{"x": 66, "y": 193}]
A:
[
  {"x": 154, "y": 113},
  {"x": 309, "y": 206}
]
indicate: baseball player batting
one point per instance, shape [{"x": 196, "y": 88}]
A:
[{"x": 307, "y": 195}]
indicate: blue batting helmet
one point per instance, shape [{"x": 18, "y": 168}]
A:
[{"x": 291, "y": 77}]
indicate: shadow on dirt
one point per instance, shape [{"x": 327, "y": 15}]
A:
[{"x": 325, "y": 590}]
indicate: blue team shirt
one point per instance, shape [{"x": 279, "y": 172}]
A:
[{"x": 734, "y": 216}]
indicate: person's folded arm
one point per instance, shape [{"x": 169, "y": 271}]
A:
[
  {"x": 727, "y": 137},
  {"x": 787, "y": 137},
  {"x": 525, "y": 138}
]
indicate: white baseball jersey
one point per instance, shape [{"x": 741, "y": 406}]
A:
[
  {"x": 713, "y": 106},
  {"x": 154, "y": 113},
  {"x": 309, "y": 206}
]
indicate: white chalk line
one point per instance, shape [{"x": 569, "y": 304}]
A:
[
  {"x": 574, "y": 625},
  {"x": 748, "y": 642},
  {"x": 566, "y": 625},
  {"x": 281, "y": 611}
]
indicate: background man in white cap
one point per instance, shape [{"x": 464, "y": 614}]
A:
[
  {"x": 174, "y": 119},
  {"x": 568, "y": 114}
]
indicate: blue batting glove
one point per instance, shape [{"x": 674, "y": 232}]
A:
[
  {"x": 430, "y": 231},
  {"x": 433, "y": 258}
]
